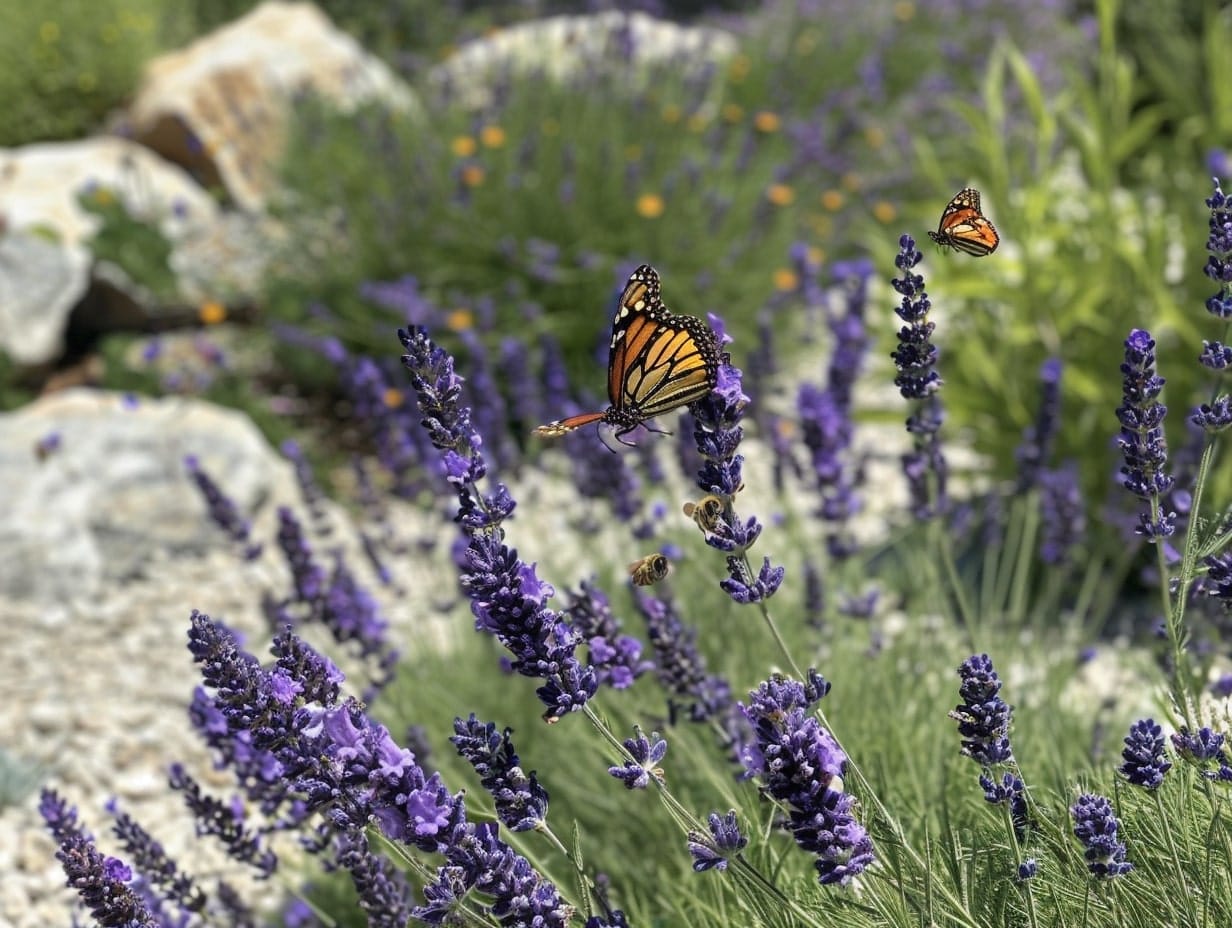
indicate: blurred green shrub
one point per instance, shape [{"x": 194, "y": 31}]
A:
[{"x": 65, "y": 64}]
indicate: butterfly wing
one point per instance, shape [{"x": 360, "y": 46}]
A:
[
  {"x": 659, "y": 361},
  {"x": 964, "y": 227}
]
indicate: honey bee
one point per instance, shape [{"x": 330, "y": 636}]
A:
[
  {"x": 650, "y": 569},
  {"x": 706, "y": 512}
]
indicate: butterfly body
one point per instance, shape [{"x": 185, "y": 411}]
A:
[
  {"x": 657, "y": 361},
  {"x": 964, "y": 227}
]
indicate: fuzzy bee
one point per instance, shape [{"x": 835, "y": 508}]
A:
[
  {"x": 650, "y": 569},
  {"x": 706, "y": 512}
]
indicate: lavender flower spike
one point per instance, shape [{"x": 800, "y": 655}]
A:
[
  {"x": 798, "y": 760},
  {"x": 223, "y": 511},
  {"x": 1142, "y": 434},
  {"x": 983, "y": 716},
  {"x": 521, "y": 803},
  {"x": 1145, "y": 763},
  {"x": 507, "y": 599},
  {"x": 725, "y": 839},
  {"x": 100, "y": 881},
  {"x": 717, "y": 432},
  {"x": 646, "y": 754},
  {"x": 917, "y": 380},
  {"x": 1096, "y": 826}
]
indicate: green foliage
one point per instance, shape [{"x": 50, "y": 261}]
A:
[
  {"x": 1098, "y": 237},
  {"x": 134, "y": 243},
  {"x": 65, "y": 64},
  {"x": 470, "y": 204}
]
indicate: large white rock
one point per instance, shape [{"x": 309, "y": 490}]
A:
[
  {"x": 40, "y": 184},
  {"x": 221, "y": 106},
  {"x": 45, "y": 264},
  {"x": 114, "y": 498},
  {"x": 40, "y": 282},
  {"x": 564, "y": 47}
]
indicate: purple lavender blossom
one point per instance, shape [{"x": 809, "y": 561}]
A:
[
  {"x": 226, "y": 822},
  {"x": 725, "y": 839},
  {"x": 797, "y": 760},
  {"x": 381, "y": 890},
  {"x": 350, "y": 770},
  {"x": 983, "y": 717},
  {"x": 151, "y": 860},
  {"x": 1063, "y": 518},
  {"x": 307, "y": 576},
  {"x": 521, "y": 803},
  {"x": 222, "y": 510},
  {"x": 1027, "y": 869},
  {"x": 646, "y": 753},
  {"x": 679, "y": 666},
  {"x": 1213, "y": 417},
  {"x": 1010, "y": 791},
  {"x": 1038, "y": 439},
  {"x": 100, "y": 881},
  {"x": 825, "y": 414},
  {"x": 507, "y": 599},
  {"x": 309, "y": 489},
  {"x": 617, "y": 658},
  {"x": 717, "y": 431},
  {"x": 1218, "y": 581},
  {"x": 1142, "y": 436},
  {"x": 1145, "y": 762},
  {"x": 1096, "y": 826},
  {"x": 917, "y": 380},
  {"x": 1202, "y": 748},
  {"x": 1219, "y": 248}
]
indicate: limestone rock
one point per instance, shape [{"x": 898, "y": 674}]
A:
[
  {"x": 221, "y": 106},
  {"x": 112, "y": 500},
  {"x": 40, "y": 184},
  {"x": 40, "y": 282},
  {"x": 565, "y": 47}
]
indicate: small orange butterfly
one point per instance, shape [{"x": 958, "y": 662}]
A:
[
  {"x": 964, "y": 228},
  {"x": 657, "y": 362}
]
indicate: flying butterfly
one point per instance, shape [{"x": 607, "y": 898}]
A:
[
  {"x": 964, "y": 228},
  {"x": 657, "y": 361}
]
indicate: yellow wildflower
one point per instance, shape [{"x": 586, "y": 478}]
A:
[
  {"x": 393, "y": 397},
  {"x": 472, "y": 175},
  {"x": 650, "y": 206},
  {"x": 460, "y": 320},
  {"x": 765, "y": 121},
  {"x": 884, "y": 211},
  {"x": 463, "y": 146},
  {"x": 698, "y": 122},
  {"x": 874, "y": 137},
  {"x": 852, "y": 181},
  {"x": 211, "y": 312},
  {"x": 780, "y": 195},
  {"x": 833, "y": 200},
  {"x": 739, "y": 68},
  {"x": 785, "y": 279},
  {"x": 671, "y": 114},
  {"x": 904, "y": 11},
  {"x": 733, "y": 112},
  {"x": 492, "y": 136}
]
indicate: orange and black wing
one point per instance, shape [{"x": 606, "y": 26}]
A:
[
  {"x": 964, "y": 227},
  {"x": 659, "y": 361}
]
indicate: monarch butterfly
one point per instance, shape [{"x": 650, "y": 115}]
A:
[
  {"x": 964, "y": 228},
  {"x": 658, "y": 361}
]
